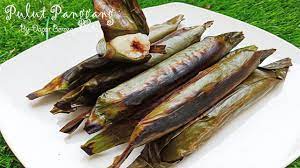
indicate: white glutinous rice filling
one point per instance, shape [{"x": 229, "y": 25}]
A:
[{"x": 132, "y": 45}]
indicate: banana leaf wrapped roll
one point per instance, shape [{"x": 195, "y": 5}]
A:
[
  {"x": 88, "y": 93},
  {"x": 112, "y": 136},
  {"x": 119, "y": 133},
  {"x": 125, "y": 30},
  {"x": 87, "y": 69},
  {"x": 195, "y": 97},
  {"x": 160, "y": 30},
  {"x": 115, "y": 103},
  {"x": 157, "y": 31},
  {"x": 73, "y": 77},
  {"x": 123, "y": 15},
  {"x": 173, "y": 147},
  {"x": 132, "y": 117}
]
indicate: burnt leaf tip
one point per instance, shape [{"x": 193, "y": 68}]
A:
[
  {"x": 56, "y": 110},
  {"x": 63, "y": 105},
  {"x": 264, "y": 54},
  {"x": 87, "y": 149},
  {"x": 32, "y": 96},
  {"x": 208, "y": 24},
  {"x": 71, "y": 127}
]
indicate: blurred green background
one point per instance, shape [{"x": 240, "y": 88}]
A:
[{"x": 280, "y": 17}]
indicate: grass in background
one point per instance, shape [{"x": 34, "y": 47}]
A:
[
  {"x": 280, "y": 17},
  {"x": 7, "y": 158},
  {"x": 13, "y": 40}
]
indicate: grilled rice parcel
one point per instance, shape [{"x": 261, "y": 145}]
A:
[{"x": 168, "y": 87}]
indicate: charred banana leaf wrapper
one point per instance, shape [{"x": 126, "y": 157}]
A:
[
  {"x": 135, "y": 114},
  {"x": 174, "y": 147},
  {"x": 115, "y": 103},
  {"x": 120, "y": 17},
  {"x": 119, "y": 133},
  {"x": 88, "y": 93},
  {"x": 73, "y": 77},
  {"x": 125, "y": 30},
  {"x": 138, "y": 111},
  {"x": 81, "y": 72},
  {"x": 114, "y": 135},
  {"x": 195, "y": 97},
  {"x": 56, "y": 110}
]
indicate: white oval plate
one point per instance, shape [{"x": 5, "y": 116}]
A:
[{"x": 267, "y": 135}]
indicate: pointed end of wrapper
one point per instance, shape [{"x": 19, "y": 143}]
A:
[
  {"x": 101, "y": 142},
  {"x": 176, "y": 20},
  {"x": 237, "y": 36},
  {"x": 63, "y": 105},
  {"x": 55, "y": 85},
  {"x": 251, "y": 47},
  {"x": 280, "y": 67},
  {"x": 71, "y": 126},
  {"x": 208, "y": 24},
  {"x": 67, "y": 130},
  {"x": 33, "y": 96},
  {"x": 56, "y": 110},
  {"x": 230, "y": 35},
  {"x": 264, "y": 54},
  {"x": 87, "y": 149},
  {"x": 40, "y": 93},
  {"x": 283, "y": 63},
  {"x": 234, "y": 38}
]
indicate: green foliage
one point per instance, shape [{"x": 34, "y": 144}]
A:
[
  {"x": 7, "y": 158},
  {"x": 280, "y": 17},
  {"x": 296, "y": 164},
  {"x": 13, "y": 40}
]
